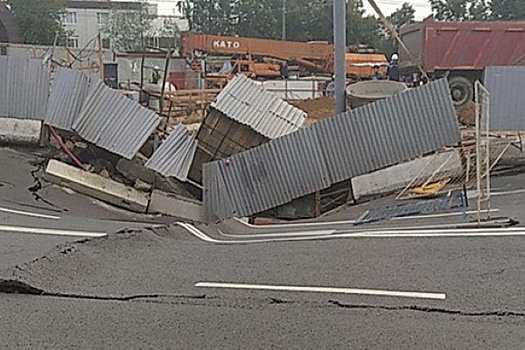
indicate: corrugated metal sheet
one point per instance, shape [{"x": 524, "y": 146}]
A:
[
  {"x": 68, "y": 94},
  {"x": 175, "y": 154},
  {"x": 507, "y": 103},
  {"x": 245, "y": 101},
  {"x": 114, "y": 122},
  {"x": 25, "y": 88},
  {"x": 375, "y": 136}
]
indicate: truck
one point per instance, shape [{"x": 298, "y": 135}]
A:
[
  {"x": 269, "y": 58},
  {"x": 461, "y": 51}
]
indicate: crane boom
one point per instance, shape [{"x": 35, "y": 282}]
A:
[{"x": 313, "y": 56}]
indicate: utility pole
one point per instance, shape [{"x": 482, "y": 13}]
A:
[
  {"x": 284, "y": 21},
  {"x": 340, "y": 55}
]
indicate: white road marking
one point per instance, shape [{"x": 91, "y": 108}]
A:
[
  {"x": 289, "y": 234},
  {"x": 375, "y": 292},
  {"x": 47, "y": 231},
  {"x": 429, "y": 233},
  {"x": 348, "y": 222},
  {"x": 27, "y": 213},
  {"x": 507, "y": 193}
]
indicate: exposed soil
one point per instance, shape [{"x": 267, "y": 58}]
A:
[{"x": 317, "y": 109}]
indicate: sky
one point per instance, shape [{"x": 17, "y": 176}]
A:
[
  {"x": 422, "y": 7},
  {"x": 167, "y": 7}
]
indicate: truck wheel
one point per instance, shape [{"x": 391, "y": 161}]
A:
[{"x": 461, "y": 90}]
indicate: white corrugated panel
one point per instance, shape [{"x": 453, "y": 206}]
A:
[
  {"x": 246, "y": 102},
  {"x": 175, "y": 154},
  {"x": 114, "y": 122}
]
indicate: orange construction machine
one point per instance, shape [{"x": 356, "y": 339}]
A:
[{"x": 269, "y": 58}]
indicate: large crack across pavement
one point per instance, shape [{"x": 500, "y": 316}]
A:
[
  {"x": 38, "y": 185},
  {"x": 430, "y": 310},
  {"x": 19, "y": 287}
]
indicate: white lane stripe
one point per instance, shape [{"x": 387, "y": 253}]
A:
[
  {"x": 375, "y": 292},
  {"x": 47, "y": 231},
  {"x": 314, "y": 224},
  {"x": 289, "y": 234},
  {"x": 507, "y": 193},
  {"x": 26, "y": 213},
  {"x": 375, "y": 234}
]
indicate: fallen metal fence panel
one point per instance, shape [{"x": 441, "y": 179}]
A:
[
  {"x": 246, "y": 102},
  {"x": 114, "y": 122},
  {"x": 68, "y": 95},
  {"x": 357, "y": 142},
  {"x": 175, "y": 155}
]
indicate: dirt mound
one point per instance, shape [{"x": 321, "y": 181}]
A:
[{"x": 317, "y": 109}]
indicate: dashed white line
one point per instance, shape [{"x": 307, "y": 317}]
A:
[
  {"x": 27, "y": 213},
  {"x": 374, "y": 292},
  {"x": 47, "y": 231}
]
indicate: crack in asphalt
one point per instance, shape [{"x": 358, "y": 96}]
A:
[
  {"x": 430, "y": 310},
  {"x": 37, "y": 186},
  {"x": 19, "y": 287}
]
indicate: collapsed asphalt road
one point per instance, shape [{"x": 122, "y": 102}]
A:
[{"x": 166, "y": 287}]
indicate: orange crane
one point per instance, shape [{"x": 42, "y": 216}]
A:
[{"x": 260, "y": 57}]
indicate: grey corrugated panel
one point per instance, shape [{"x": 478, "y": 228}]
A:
[
  {"x": 3, "y": 87},
  {"x": 68, "y": 94},
  {"x": 248, "y": 103},
  {"x": 25, "y": 90},
  {"x": 507, "y": 103},
  {"x": 378, "y": 135},
  {"x": 114, "y": 122},
  {"x": 175, "y": 155}
]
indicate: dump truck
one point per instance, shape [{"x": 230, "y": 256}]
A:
[
  {"x": 266, "y": 58},
  {"x": 461, "y": 51}
]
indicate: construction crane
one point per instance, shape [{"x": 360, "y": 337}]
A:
[{"x": 269, "y": 58}]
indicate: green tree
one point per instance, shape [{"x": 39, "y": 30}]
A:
[
  {"x": 129, "y": 28},
  {"x": 400, "y": 17},
  {"x": 167, "y": 35},
  {"x": 507, "y": 10},
  {"x": 305, "y": 20},
  {"x": 39, "y": 20},
  {"x": 459, "y": 10}
]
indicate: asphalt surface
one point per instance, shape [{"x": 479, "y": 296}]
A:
[{"x": 137, "y": 289}]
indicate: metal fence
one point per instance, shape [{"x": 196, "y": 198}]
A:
[
  {"x": 175, "y": 154},
  {"x": 507, "y": 107},
  {"x": 375, "y": 136},
  {"x": 483, "y": 163},
  {"x": 68, "y": 94},
  {"x": 24, "y": 89},
  {"x": 114, "y": 122}
]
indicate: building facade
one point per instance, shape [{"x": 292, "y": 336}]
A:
[{"x": 85, "y": 19}]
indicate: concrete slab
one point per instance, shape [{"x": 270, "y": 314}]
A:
[
  {"x": 399, "y": 176},
  {"x": 177, "y": 206},
  {"x": 20, "y": 130},
  {"x": 96, "y": 186}
]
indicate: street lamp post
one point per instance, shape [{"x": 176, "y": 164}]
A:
[
  {"x": 340, "y": 55},
  {"x": 284, "y": 21}
]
